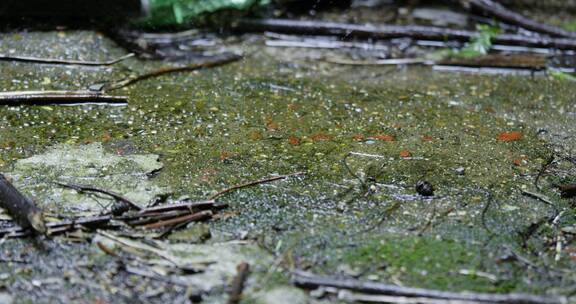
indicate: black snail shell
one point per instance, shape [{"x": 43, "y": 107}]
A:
[{"x": 424, "y": 188}]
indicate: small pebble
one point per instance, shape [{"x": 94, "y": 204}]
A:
[
  {"x": 460, "y": 171},
  {"x": 424, "y": 188}
]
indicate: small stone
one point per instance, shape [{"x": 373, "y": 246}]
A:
[
  {"x": 424, "y": 188},
  {"x": 460, "y": 171}
]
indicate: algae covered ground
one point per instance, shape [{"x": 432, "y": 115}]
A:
[{"x": 363, "y": 136}]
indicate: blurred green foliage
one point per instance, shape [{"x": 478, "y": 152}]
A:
[{"x": 163, "y": 13}]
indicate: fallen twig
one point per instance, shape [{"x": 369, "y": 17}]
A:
[
  {"x": 22, "y": 209},
  {"x": 497, "y": 10},
  {"x": 235, "y": 295},
  {"x": 64, "y": 61},
  {"x": 352, "y": 297},
  {"x": 116, "y": 196},
  {"x": 540, "y": 197},
  {"x": 543, "y": 170},
  {"x": 199, "y": 216},
  {"x": 58, "y": 97},
  {"x": 308, "y": 280},
  {"x": 392, "y": 61},
  {"x": 383, "y": 31},
  {"x": 204, "y": 64},
  {"x": 253, "y": 183},
  {"x": 201, "y": 205},
  {"x": 168, "y": 215},
  {"x": 522, "y": 61},
  {"x": 323, "y": 42}
]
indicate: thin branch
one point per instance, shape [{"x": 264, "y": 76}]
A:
[
  {"x": 5, "y": 57},
  {"x": 543, "y": 170},
  {"x": 204, "y": 64},
  {"x": 58, "y": 97},
  {"x": 308, "y": 280},
  {"x": 392, "y": 61},
  {"x": 116, "y": 196},
  {"x": 384, "y": 31},
  {"x": 253, "y": 183},
  {"x": 195, "y": 217},
  {"x": 180, "y": 212},
  {"x": 202, "y": 205},
  {"x": 541, "y": 198}
]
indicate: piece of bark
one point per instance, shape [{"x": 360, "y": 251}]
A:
[
  {"x": 385, "y": 31},
  {"x": 568, "y": 190},
  {"x": 518, "y": 61},
  {"x": 22, "y": 209},
  {"x": 308, "y": 280},
  {"x": 235, "y": 295}
]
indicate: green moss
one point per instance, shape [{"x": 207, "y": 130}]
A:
[{"x": 429, "y": 263}]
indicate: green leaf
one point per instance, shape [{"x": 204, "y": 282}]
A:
[
  {"x": 481, "y": 44},
  {"x": 561, "y": 75},
  {"x": 181, "y": 12}
]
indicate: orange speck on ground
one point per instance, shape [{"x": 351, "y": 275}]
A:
[
  {"x": 255, "y": 136},
  {"x": 358, "y": 137},
  {"x": 383, "y": 137},
  {"x": 272, "y": 126},
  {"x": 426, "y": 138},
  {"x": 293, "y": 140},
  {"x": 106, "y": 137},
  {"x": 510, "y": 136},
  {"x": 405, "y": 153},
  {"x": 321, "y": 137},
  {"x": 293, "y": 107},
  {"x": 224, "y": 156}
]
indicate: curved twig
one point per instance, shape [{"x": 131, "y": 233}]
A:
[
  {"x": 253, "y": 183},
  {"x": 58, "y": 97},
  {"x": 207, "y": 63},
  {"x": 5, "y": 57}
]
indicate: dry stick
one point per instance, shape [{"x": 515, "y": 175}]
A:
[
  {"x": 58, "y": 97},
  {"x": 313, "y": 281},
  {"x": 253, "y": 183},
  {"x": 152, "y": 213},
  {"x": 144, "y": 216},
  {"x": 178, "y": 206},
  {"x": 497, "y": 10},
  {"x": 208, "y": 63},
  {"x": 200, "y": 216},
  {"x": 543, "y": 170},
  {"x": 235, "y": 296},
  {"x": 540, "y": 197},
  {"x": 4, "y": 57},
  {"x": 350, "y": 297},
  {"x": 383, "y": 31},
  {"x": 116, "y": 196},
  {"x": 22, "y": 209}
]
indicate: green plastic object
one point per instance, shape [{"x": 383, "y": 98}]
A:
[{"x": 161, "y": 13}]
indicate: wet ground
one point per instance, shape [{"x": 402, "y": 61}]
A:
[{"x": 364, "y": 136}]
